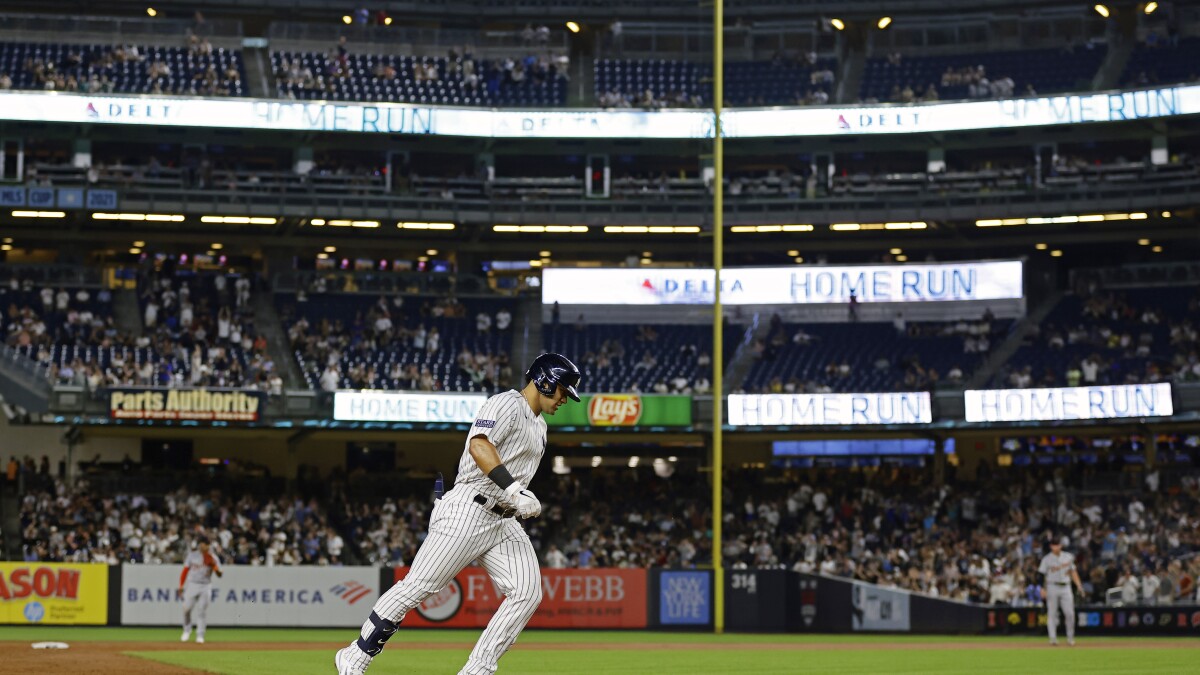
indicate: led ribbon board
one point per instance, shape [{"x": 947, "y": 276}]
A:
[{"x": 400, "y": 118}]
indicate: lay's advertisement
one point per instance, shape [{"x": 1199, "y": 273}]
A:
[
  {"x": 625, "y": 410},
  {"x": 53, "y": 593}
]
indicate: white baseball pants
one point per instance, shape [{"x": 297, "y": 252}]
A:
[
  {"x": 195, "y": 607},
  {"x": 1060, "y": 597},
  {"x": 461, "y": 531}
]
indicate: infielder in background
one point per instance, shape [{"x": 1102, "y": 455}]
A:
[
  {"x": 474, "y": 521},
  {"x": 195, "y": 586},
  {"x": 1059, "y": 570}
]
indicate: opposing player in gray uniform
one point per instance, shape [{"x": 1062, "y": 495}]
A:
[
  {"x": 474, "y": 521},
  {"x": 195, "y": 586},
  {"x": 1059, "y": 571}
]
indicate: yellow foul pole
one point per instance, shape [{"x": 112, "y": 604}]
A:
[{"x": 718, "y": 360}]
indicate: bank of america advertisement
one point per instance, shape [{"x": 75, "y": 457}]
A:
[
  {"x": 796, "y": 285},
  {"x": 382, "y": 406},
  {"x": 1069, "y": 403},
  {"x": 254, "y": 596},
  {"x": 905, "y": 407}
]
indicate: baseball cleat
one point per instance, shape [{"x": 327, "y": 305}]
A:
[
  {"x": 186, "y": 635},
  {"x": 345, "y": 662},
  {"x": 1071, "y": 642},
  {"x": 199, "y": 640},
  {"x": 1054, "y": 643}
]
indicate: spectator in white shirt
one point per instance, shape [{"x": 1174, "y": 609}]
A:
[{"x": 503, "y": 319}]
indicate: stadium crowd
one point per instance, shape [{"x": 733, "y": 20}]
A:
[
  {"x": 892, "y": 527},
  {"x": 977, "y": 542},
  {"x": 196, "y": 331}
]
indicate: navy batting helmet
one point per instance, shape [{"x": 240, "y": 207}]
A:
[{"x": 550, "y": 370}]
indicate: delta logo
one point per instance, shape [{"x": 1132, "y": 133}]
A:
[
  {"x": 350, "y": 591},
  {"x": 669, "y": 288},
  {"x": 41, "y": 582},
  {"x": 615, "y": 410},
  {"x": 91, "y": 111}
]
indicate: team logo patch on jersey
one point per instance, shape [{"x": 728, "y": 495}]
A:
[{"x": 485, "y": 424}]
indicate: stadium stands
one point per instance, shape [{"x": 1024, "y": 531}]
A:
[
  {"x": 188, "y": 339},
  {"x": 645, "y": 358},
  {"x": 123, "y": 68},
  {"x": 1111, "y": 337},
  {"x": 361, "y": 341},
  {"x": 866, "y": 357},
  {"x": 528, "y": 81},
  {"x": 896, "y": 78},
  {"x": 674, "y": 83},
  {"x": 1163, "y": 62},
  {"x": 977, "y": 542}
]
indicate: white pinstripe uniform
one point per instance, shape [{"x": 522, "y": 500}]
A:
[
  {"x": 462, "y": 530},
  {"x": 197, "y": 590},
  {"x": 1057, "y": 568}
]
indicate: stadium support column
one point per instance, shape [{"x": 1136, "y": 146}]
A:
[
  {"x": 81, "y": 153},
  {"x": 302, "y": 162},
  {"x": 1159, "y": 153},
  {"x": 718, "y": 361},
  {"x": 939, "y": 461},
  {"x": 935, "y": 161}
]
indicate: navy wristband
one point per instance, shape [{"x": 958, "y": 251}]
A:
[{"x": 500, "y": 476}]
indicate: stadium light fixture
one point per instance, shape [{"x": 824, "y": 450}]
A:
[
  {"x": 1150, "y": 7},
  {"x": 1143, "y": 242},
  {"x": 154, "y": 12},
  {"x": 793, "y": 253},
  {"x": 647, "y": 261},
  {"x": 573, "y": 27},
  {"x": 432, "y": 251},
  {"x": 896, "y": 251},
  {"x": 217, "y": 247},
  {"x": 535, "y": 263},
  {"x": 1041, "y": 246},
  {"x": 330, "y": 249},
  {"x": 1102, "y": 10},
  {"x": 1056, "y": 253},
  {"x": 884, "y": 22},
  {"x": 544, "y": 254},
  {"x": 239, "y": 220},
  {"x": 135, "y": 250},
  {"x": 539, "y": 229},
  {"x": 39, "y": 214},
  {"x": 407, "y": 225},
  {"x": 140, "y": 217},
  {"x": 139, "y": 244},
  {"x": 1166, "y": 214},
  {"x": 651, "y": 229},
  {"x": 838, "y": 24},
  {"x": 772, "y": 228},
  {"x": 346, "y": 19},
  {"x": 387, "y": 20},
  {"x": 318, "y": 222},
  {"x": 322, "y": 256},
  {"x": 647, "y": 254},
  {"x": 352, "y": 223},
  {"x": 1157, "y": 249},
  {"x": 901, "y": 258},
  {"x": 6, "y": 247}
]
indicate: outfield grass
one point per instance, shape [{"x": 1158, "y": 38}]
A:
[{"x": 651, "y": 653}]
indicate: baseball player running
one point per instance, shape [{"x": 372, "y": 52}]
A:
[
  {"x": 474, "y": 520},
  {"x": 195, "y": 586},
  {"x": 1059, "y": 570}
]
